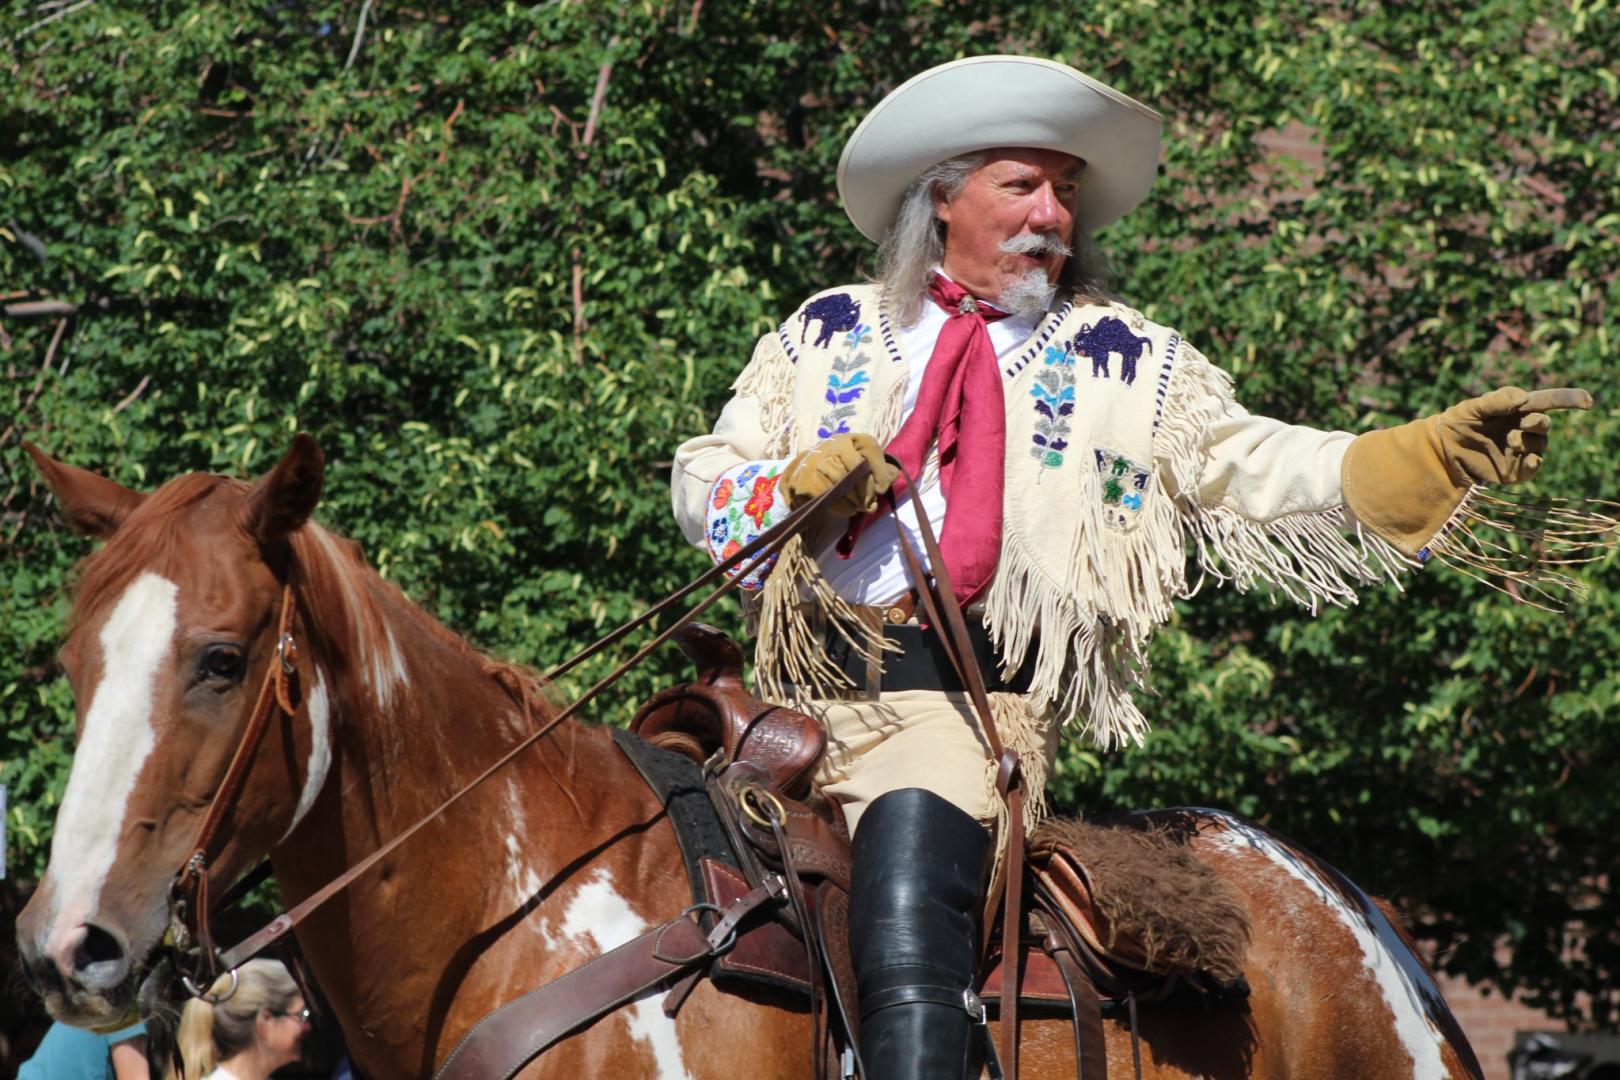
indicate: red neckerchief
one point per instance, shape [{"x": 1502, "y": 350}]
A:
[{"x": 959, "y": 406}]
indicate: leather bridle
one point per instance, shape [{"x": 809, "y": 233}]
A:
[
  {"x": 938, "y": 601},
  {"x": 189, "y": 893},
  {"x": 189, "y": 909},
  {"x": 939, "y": 604}
]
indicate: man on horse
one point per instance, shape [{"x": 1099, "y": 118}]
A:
[{"x": 1069, "y": 452}]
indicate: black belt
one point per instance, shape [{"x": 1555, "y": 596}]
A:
[{"x": 923, "y": 664}]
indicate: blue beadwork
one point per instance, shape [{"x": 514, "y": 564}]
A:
[
  {"x": 847, "y": 382},
  {"x": 835, "y": 313},
  {"x": 1054, "y": 403}
]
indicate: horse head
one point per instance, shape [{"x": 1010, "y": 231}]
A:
[{"x": 174, "y": 629}]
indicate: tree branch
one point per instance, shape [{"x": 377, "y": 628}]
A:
[
  {"x": 133, "y": 394},
  {"x": 47, "y": 20},
  {"x": 359, "y": 33},
  {"x": 39, "y": 382},
  {"x": 34, "y": 309},
  {"x": 602, "y": 76}
]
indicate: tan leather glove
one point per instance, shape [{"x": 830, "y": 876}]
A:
[
  {"x": 1405, "y": 482},
  {"x": 829, "y": 461}
]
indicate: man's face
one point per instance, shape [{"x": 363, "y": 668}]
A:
[{"x": 1016, "y": 192}]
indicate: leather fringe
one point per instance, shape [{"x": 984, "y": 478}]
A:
[{"x": 1525, "y": 548}]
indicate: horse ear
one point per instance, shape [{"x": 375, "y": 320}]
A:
[
  {"x": 285, "y": 496},
  {"x": 93, "y": 504}
]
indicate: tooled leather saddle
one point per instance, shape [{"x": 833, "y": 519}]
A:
[{"x": 756, "y": 760}]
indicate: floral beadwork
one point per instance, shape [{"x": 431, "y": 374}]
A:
[
  {"x": 759, "y": 503},
  {"x": 1054, "y": 401},
  {"x": 846, "y": 383},
  {"x": 743, "y": 504},
  {"x": 1124, "y": 486}
]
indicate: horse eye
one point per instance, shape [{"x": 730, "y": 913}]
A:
[{"x": 221, "y": 663}]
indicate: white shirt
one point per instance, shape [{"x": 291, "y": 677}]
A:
[{"x": 875, "y": 572}]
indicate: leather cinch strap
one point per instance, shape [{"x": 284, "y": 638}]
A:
[
  {"x": 190, "y": 888},
  {"x": 1090, "y": 1047},
  {"x": 510, "y": 1037}
]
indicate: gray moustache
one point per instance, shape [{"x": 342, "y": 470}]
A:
[{"x": 1036, "y": 244}]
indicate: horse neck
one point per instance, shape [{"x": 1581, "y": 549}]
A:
[
  {"x": 415, "y": 715},
  {"x": 415, "y": 712}
]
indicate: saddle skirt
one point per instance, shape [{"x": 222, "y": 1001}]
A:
[{"x": 725, "y": 762}]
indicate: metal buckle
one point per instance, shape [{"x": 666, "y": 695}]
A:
[
  {"x": 177, "y": 936},
  {"x": 287, "y": 652},
  {"x": 976, "y": 1013},
  {"x": 725, "y": 944},
  {"x": 204, "y": 995},
  {"x": 775, "y": 884},
  {"x": 761, "y": 805}
]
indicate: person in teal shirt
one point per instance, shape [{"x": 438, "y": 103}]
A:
[{"x": 70, "y": 1053}]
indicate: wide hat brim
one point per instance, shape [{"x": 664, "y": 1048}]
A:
[{"x": 984, "y": 102}]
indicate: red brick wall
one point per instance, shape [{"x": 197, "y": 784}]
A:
[{"x": 1491, "y": 1022}]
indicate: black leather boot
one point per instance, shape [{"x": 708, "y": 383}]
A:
[{"x": 919, "y": 863}]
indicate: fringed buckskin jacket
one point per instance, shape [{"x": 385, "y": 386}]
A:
[{"x": 1127, "y": 457}]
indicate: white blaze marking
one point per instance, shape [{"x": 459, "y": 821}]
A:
[
  {"x": 319, "y": 713},
  {"x": 1393, "y": 976},
  {"x": 597, "y": 911},
  {"x": 136, "y": 639}
]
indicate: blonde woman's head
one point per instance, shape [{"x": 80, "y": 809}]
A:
[{"x": 266, "y": 1016}]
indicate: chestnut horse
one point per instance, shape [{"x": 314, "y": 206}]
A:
[{"x": 558, "y": 858}]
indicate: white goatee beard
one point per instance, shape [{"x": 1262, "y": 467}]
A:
[{"x": 1030, "y": 295}]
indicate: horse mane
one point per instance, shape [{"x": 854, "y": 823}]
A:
[{"x": 341, "y": 593}]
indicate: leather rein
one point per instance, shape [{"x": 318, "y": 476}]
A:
[
  {"x": 938, "y": 601},
  {"x": 189, "y": 903},
  {"x": 189, "y": 906}
]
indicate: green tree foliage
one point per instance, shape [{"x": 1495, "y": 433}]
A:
[{"x": 501, "y": 259}]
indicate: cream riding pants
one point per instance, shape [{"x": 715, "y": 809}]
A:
[{"x": 930, "y": 739}]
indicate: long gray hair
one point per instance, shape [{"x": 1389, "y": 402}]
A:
[{"x": 915, "y": 243}]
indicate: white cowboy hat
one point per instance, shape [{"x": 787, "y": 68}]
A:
[{"x": 988, "y": 101}]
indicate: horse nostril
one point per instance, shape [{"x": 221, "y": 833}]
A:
[
  {"x": 99, "y": 946},
  {"x": 99, "y": 959}
]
